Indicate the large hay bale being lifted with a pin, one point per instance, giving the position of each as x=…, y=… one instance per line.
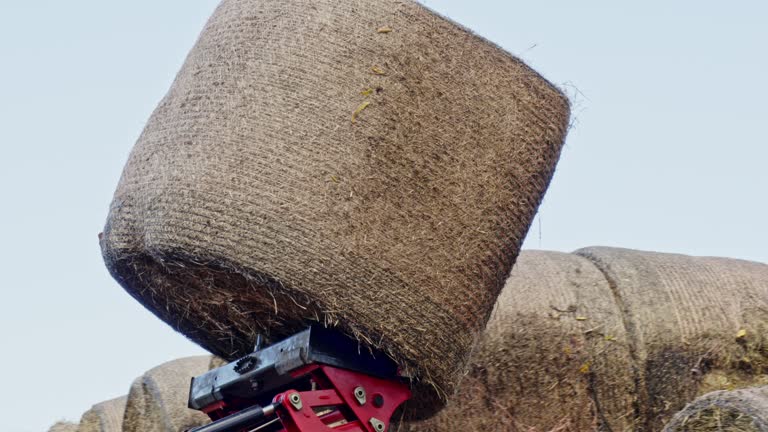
x=368, y=165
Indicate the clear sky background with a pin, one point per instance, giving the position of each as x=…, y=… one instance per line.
x=668, y=153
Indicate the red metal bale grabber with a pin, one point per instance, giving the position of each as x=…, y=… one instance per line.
x=314, y=381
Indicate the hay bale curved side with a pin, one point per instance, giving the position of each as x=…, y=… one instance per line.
x=695, y=324
x=554, y=355
x=307, y=166
x=157, y=401
x=744, y=410
x=106, y=416
x=63, y=426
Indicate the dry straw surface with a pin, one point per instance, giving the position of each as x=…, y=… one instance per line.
x=554, y=355
x=695, y=324
x=103, y=417
x=63, y=426
x=613, y=340
x=157, y=401
x=744, y=410
x=364, y=164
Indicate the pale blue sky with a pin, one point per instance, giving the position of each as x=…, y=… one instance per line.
x=668, y=153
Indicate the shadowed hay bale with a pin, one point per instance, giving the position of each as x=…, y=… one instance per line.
x=743, y=410
x=554, y=348
x=104, y=417
x=63, y=426
x=157, y=401
x=310, y=165
x=695, y=324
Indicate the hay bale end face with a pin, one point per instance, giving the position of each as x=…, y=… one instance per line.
x=306, y=167
x=744, y=410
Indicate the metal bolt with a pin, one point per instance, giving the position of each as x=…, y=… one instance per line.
x=295, y=400
x=360, y=395
x=377, y=424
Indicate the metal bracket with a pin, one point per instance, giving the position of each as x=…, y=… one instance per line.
x=295, y=400
x=377, y=424
x=360, y=395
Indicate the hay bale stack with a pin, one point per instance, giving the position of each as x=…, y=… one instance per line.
x=63, y=426
x=367, y=164
x=104, y=417
x=695, y=324
x=743, y=410
x=157, y=401
x=553, y=357
x=611, y=339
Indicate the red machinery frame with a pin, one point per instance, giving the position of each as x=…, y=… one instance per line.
x=341, y=400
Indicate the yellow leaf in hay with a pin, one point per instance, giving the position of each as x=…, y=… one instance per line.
x=581, y=318
x=334, y=179
x=367, y=92
x=384, y=29
x=359, y=109
x=610, y=338
x=585, y=368
x=741, y=334
x=567, y=350
x=378, y=71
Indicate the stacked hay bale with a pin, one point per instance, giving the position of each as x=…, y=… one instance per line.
x=157, y=401
x=554, y=340
x=612, y=339
x=367, y=165
x=63, y=426
x=743, y=410
x=695, y=324
x=104, y=417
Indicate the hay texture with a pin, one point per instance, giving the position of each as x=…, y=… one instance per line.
x=364, y=164
x=613, y=340
x=104, y=417
x=554, y=356
x=63, y=426
x=743, y=410
x=157, y=401
x=695, y=324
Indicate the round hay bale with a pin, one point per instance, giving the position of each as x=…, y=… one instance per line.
x=611, y=339
x=553, y=357
x=744, y=410
x=104, y=417
x=157, y=401
x=695, y=324
x=63, y=426
x=368, y=165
